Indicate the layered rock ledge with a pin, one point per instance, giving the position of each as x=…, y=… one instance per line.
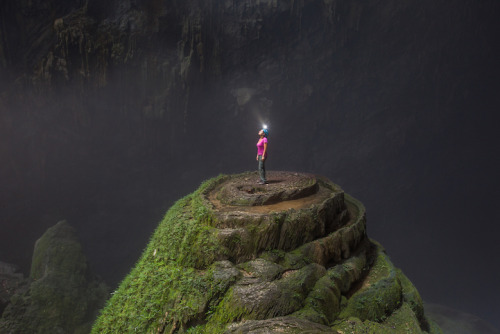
x=291, y=256
x=289, y=212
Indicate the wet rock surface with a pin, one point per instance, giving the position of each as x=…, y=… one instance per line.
x=281, y=186
x=290, y=257
x=290, y=211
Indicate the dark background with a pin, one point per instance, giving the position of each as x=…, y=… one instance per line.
x=111, y=116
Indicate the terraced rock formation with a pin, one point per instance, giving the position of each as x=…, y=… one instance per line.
x=291, y=256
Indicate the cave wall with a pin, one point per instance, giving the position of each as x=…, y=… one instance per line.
x=152, y=72
x=110, y=111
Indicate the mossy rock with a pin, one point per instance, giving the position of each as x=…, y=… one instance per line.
x=215, y=268
x=63, y=295
x=287, y=325
x=385, y=301
x=262, y=268
x=244, y=191
x=259, y=299
x=323, y=304
x=378, y=294
x=402, y=320
x=411, y=296
x=248, y=230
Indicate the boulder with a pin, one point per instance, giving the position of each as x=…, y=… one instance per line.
x=63, y=296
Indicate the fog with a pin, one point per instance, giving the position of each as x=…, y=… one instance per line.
x=402, y=114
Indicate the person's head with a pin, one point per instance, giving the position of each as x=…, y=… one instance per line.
x=263, y=133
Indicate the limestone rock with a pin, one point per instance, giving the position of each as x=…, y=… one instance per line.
x=63, y=295
x=289, y=257
x=11, y=281
x=287, y=325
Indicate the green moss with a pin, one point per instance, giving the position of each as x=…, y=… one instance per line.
x=402, y=321
x=433, y=327
x=322, y=305
x=63, y=292
x=384, y=302
x=275, y=255
x=379, y=293
x=295, y=259
x=253, y=302
x=227, y=311
x=170, y=284
x=182, y=282
x=58, y=248
x=411, y=296
x=261, y=268
x=311, y=314
x=300, y=283
x=324, y=302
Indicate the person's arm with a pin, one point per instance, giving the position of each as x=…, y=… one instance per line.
x=265, y=150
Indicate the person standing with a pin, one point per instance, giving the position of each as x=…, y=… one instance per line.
x=262, y=155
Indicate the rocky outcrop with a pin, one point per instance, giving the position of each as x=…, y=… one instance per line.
x=11, y=281
x=224, y=261
x=63, y=296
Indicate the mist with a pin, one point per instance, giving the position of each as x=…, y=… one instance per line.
x=110, y=117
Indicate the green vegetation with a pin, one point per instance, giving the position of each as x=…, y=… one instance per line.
x=379, y=294
x=185, y=281
x=173, y=282
x=62, y=293
x=384, y=302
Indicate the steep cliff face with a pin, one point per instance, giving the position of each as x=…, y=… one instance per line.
x=155, y=71
x=290, y=257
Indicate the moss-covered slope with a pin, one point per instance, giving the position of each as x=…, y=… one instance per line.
x=303, y=264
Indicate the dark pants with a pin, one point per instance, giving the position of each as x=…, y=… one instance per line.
x=262, y=169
